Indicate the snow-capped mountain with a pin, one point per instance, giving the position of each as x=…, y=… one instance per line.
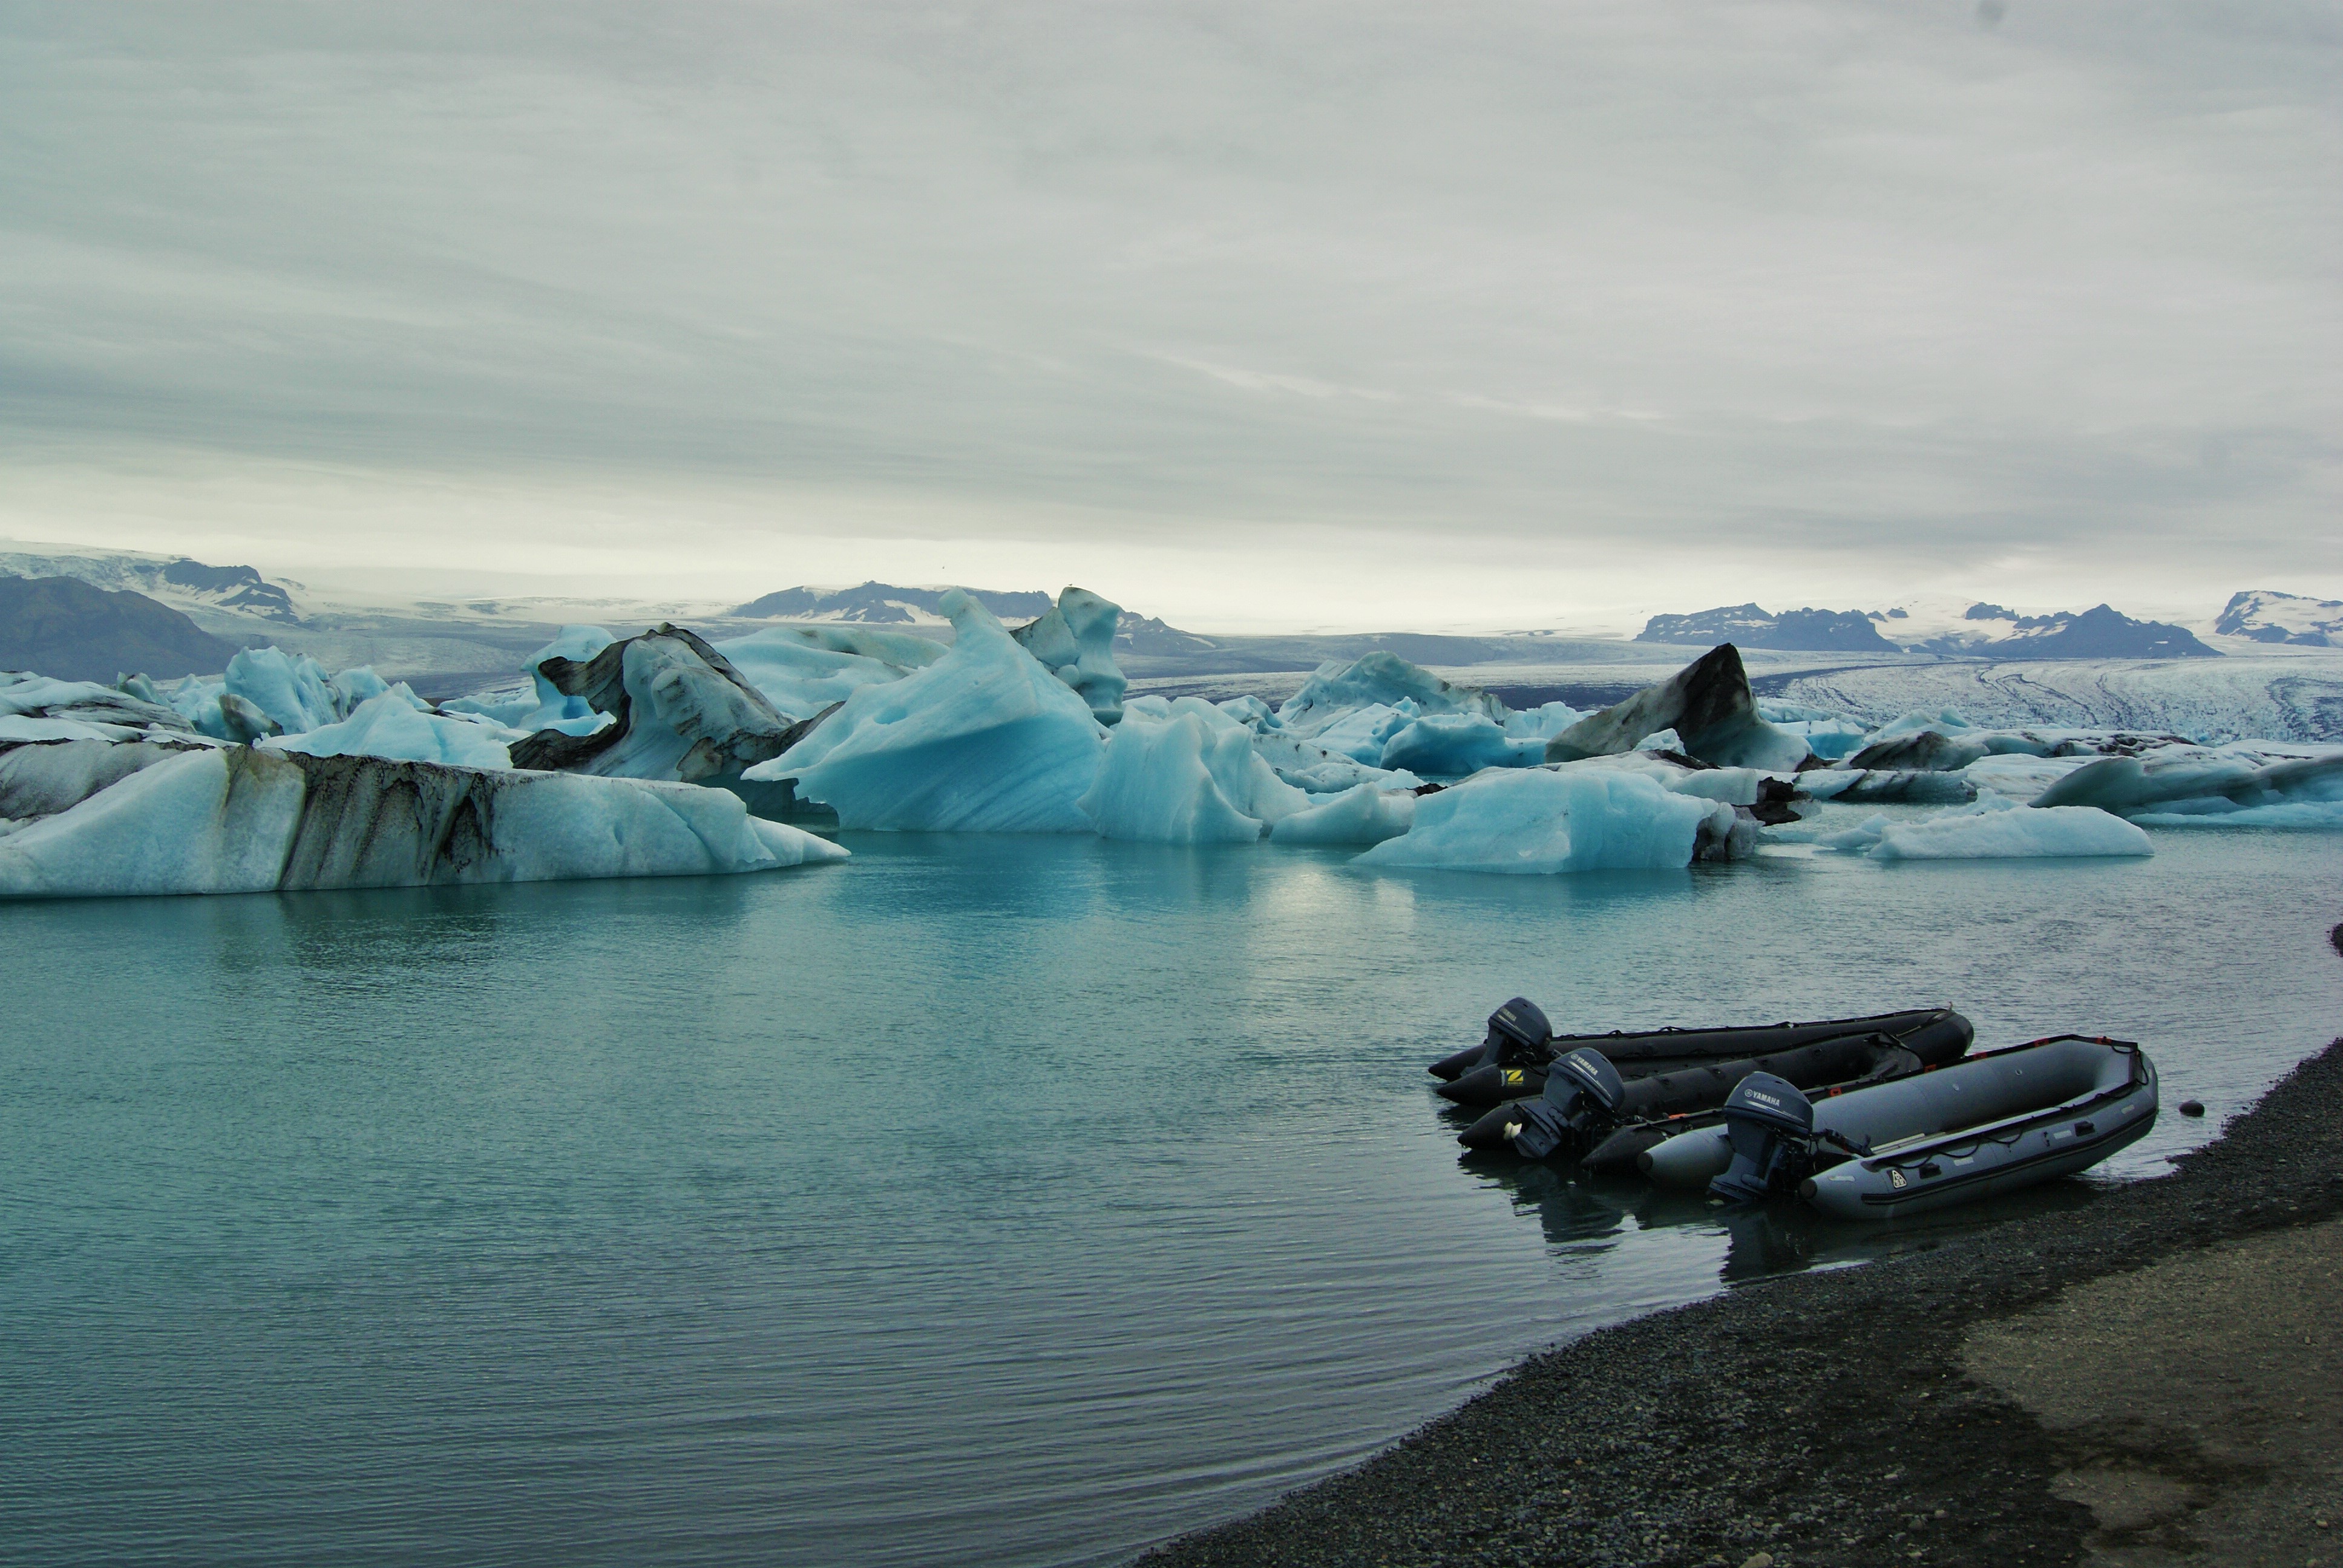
x=177, y=581
x=885, y=604
x=2265, y=616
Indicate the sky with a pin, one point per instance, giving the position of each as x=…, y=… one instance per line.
x=1251, y=316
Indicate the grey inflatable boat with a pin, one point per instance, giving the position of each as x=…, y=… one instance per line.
x=1990, y=1124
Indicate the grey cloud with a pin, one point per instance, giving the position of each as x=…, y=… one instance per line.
x=1845, y=278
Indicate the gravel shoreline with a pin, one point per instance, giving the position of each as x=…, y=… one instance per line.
x=1820, y=1419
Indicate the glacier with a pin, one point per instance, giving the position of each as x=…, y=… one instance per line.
x=242, y=819
x=984, y=739
x=1542, y=820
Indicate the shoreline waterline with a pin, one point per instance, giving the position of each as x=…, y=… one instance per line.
x=1821, y=1418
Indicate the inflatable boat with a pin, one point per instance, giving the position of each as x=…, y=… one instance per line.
x=1511, y=1061
x=1572, y=1112
x=1990, y=1124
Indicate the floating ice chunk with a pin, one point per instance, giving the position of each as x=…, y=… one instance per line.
x=984, y=739
x=388, y=727
x=2327, y=815
x=555, y=709
x=682, y=713
x=1306, y=765
x=1906, y=787
x=1360, y=815
x=1075, y=642
x=1942, y=720
x=1180, y=781
x=1452, y=745
x=81, y=709
x=1542, y=722
x=2174, y=777
x=47, y=777
x=292, y=691
x=2018, y=776
x=1661, y=740
x=2020, y=832
x=235, y=819
x=1707, y=703
x=1362, y=733
x=1252, y=712
x=802, y=669
x=1377, y=679
x=1540, y=819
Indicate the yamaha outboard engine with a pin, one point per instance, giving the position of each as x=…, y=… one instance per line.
x=1518, y=1031
x=1770, y=1126
x=1583, y=1092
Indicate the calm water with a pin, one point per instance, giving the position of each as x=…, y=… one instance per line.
x=982, y=1200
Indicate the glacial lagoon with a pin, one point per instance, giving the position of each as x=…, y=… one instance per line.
x=984, y=1199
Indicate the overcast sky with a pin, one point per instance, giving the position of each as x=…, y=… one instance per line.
x=1479, y=313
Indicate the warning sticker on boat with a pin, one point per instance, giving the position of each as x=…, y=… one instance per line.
x=1894, y=1177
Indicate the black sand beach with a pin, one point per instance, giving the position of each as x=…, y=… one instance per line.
x=2152, y=1377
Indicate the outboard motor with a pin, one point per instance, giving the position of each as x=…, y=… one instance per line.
x=1770, y=1126
x=1518, y=1032
x=1583, y=1092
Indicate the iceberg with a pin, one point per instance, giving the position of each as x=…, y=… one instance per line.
x=1075, y=642
x=1360, y=815
x=1252, y=712
x=44, y=776
x=1377, y=679
x=292, y=691
x=241, y=819
x=678, y=711
x=2196, y=780
x=1707, y=703
x=1542, y=722
x=1307, y=765
x=1190, y=778
x=40, y=707
x=985, y=739
x=1452, y=744
x=802, y=669
x=1545, y=821
x=2020, y=832
x=1905, y=787
x=1362, y=733
x=390, y=727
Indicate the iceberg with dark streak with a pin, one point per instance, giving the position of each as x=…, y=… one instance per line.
x=245, y=820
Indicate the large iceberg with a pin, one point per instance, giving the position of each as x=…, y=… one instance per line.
x=1193, y=778
x=1707, y=703
x=1377, y=679
x=802, y=669
x=2223, y=782
x=1544, y=820
x=2021, y=832
x=1075, y=642
x=985, y=739
x=680, y=711
x=238, y=819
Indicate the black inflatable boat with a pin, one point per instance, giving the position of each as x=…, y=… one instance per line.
x=1512, y=1060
